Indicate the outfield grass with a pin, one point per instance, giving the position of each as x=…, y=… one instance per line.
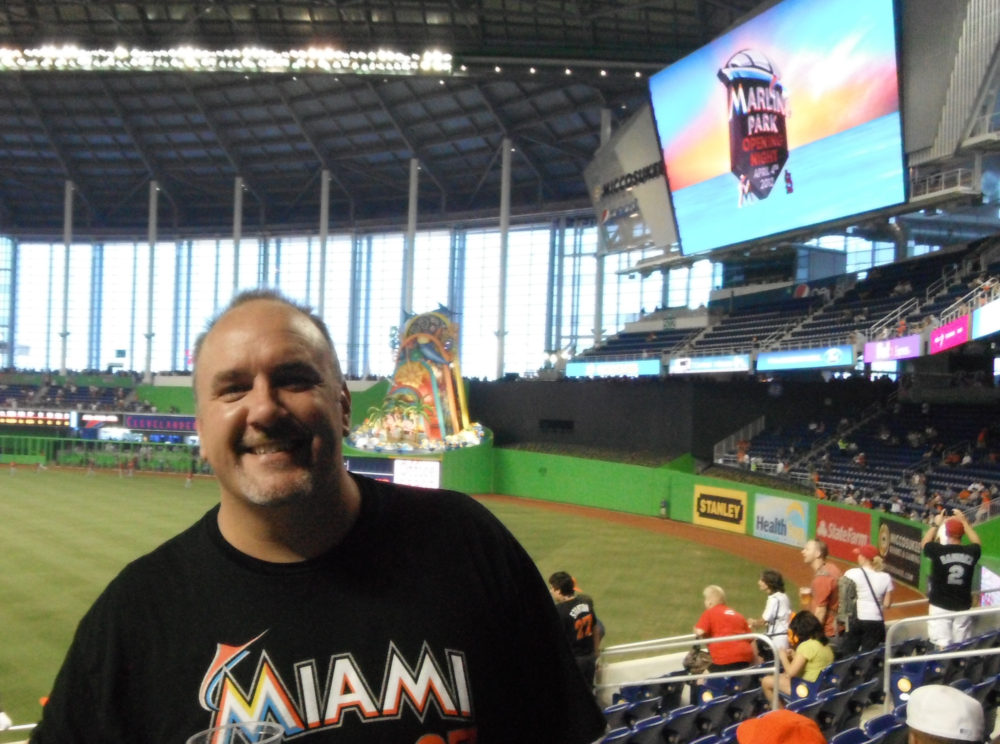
x=64, y=535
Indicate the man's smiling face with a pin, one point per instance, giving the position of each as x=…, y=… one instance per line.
x=272, y=409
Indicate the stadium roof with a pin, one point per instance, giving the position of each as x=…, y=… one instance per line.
x=538, y=73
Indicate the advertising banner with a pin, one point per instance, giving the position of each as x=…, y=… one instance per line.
x=950, y=335
x=159, y=422
x=780, y=520
x=986, y=319
x=830, y=356
x=899, y=546
x=709, y=364
x=843, y=530
x=906, y=347
x=722, y=508
x=625, y=368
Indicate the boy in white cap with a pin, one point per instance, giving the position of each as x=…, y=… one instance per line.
x=939, y=714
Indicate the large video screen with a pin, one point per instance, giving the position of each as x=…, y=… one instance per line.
x=787, y=121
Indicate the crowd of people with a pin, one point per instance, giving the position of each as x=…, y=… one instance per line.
x=841, y=613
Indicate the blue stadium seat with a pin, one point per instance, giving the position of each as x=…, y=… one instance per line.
x=912, y=674
x=617, y=736
x=881, y=723
x=807, y=707
x=644, y=708
x=616, y=715
x=803, y=690
x=747, y=704
x=728, y=734
x=850, y=736
x=648, y=730
x=713, y=716
x=863, y=695
x=668, y=691
x=829, y=716
x=681, y=725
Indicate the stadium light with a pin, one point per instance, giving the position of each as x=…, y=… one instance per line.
x=71, y=58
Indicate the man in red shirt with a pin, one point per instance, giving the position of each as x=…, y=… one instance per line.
x=824, y=585
x=719, y=620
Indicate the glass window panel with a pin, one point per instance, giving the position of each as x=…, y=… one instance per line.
x=678, y=286
x=117, y=306
x=33, y=316
x=701, y=283
x=248, y=264
x=385, y=294
x=337, y=300
x=578, y=278
x=78, y=307
x=480, y=304
x=291, y=257
x=431, y=270
x=527, y=300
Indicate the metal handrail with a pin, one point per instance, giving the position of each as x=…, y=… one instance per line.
x=891, y=631
x=689, y=641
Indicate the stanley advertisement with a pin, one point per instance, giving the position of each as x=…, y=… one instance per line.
x=722, y=508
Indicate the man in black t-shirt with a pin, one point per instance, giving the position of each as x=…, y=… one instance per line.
x=576, y=610
x=340, y=607
x=949, y=584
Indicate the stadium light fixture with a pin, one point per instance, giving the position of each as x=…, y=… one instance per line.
x=71, y=58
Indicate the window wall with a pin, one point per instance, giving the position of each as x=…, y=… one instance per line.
x=126, y=305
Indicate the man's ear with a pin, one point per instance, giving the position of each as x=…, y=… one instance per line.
x=345, y=409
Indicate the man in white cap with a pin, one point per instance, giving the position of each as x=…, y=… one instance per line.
x=939, y=714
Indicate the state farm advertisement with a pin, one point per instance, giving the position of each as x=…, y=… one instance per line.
x=843, y=530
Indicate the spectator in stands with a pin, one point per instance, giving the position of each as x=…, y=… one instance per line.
x=809, y=654
x=823, y=589
x=303, y=564
x=720, y=620
x=576, y=610
x=949, y=584
x=779, y=727
x=874, y=591
x=941, y=714
x=777, y=610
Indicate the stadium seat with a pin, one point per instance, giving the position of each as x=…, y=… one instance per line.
x=644, y=708
x=912, y=674
x=681, y=725
x=869, y=664
x=843, y=672
x=898, y=734
x=881, y=723
x=668, y=691
x=617, y=736
x=863, y=695
x=713, y=716
x=648, y=730
x=728, y=734
x=709, y=739
x=830, y=714
x=803, y=690
x=616, y=716
x=747, y=704
x=854, y=735
x=807, y=707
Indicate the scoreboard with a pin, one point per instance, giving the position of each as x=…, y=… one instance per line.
x=41, y=419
